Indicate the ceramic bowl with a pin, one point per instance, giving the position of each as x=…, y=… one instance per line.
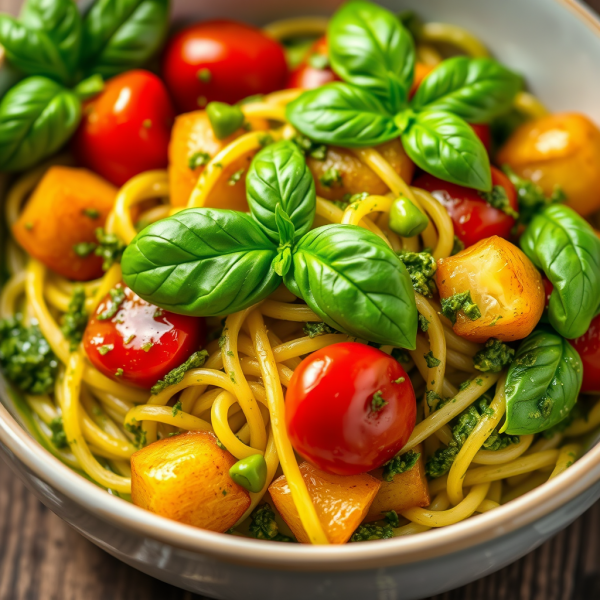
x=556, y=44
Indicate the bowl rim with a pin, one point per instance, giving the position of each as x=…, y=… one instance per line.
x=435, y=543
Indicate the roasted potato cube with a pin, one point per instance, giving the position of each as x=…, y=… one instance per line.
x=341, y=172
x=191, y=137
x=58, y=224
x=406, y=490
x=186, y=478
x=559, y=150
x=341, y=502
x=503, y=283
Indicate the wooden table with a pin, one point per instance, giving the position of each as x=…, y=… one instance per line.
x=42, y=558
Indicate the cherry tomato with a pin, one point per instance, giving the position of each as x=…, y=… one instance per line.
x=482, y=131
x=349, y=408
x=125, y=130
x=588, y=346
x=548, y=289
x=132, y=341
x=473, y=218
x=224, y=61
x=314, y=71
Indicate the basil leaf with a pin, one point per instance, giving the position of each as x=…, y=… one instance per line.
x=444, y=145
x=279, y=176
x=542, y=384
x=475, y=89
x=123, y=34
x=565, y=247
x=45, y=41
x=342, y=114
x=356, y=284
x=369, y=47
x=201, y=262
x=37, y=116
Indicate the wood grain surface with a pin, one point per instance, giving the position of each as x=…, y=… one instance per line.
x=42, y=558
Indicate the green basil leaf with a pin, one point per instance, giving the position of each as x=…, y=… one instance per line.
x=46, y=40
x=565, y=247
x=279, y=176
x=356, y=284
x=123, y=34
x=475, y=89
x=542, y=384
x=286, y=232
x=342, y=114
x=201, y=262
x=369, y=47
x=37, y=116
x=444, y=145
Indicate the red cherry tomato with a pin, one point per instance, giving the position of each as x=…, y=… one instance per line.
x=473, y=218
x=588, y=346
x=143, y=340
x=482, y=131
x=126, y=129
x=331, y=408
x=224, y=61
x=314, y=71
x=548, y=289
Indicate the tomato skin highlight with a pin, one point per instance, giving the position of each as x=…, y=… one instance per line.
x=473, y=218
x=147, y=342
x=222, y=61
x=307, y=77
x=125, y=130
x=483, y=132
x=588, y=347
x=329, y=412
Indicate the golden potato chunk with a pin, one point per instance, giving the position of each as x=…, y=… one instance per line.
x=186, y=478
x=58, y=224
x=191, y=139
x=559, y=150
x=343, y=173
x=341, y=502
x=406, y=490
x=503, y=283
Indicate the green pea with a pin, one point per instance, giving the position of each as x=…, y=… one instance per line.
x=406, y=219
x=224, y=118
x=250, y=473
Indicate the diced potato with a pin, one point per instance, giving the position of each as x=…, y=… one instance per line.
x=192, y=133
x=64, y=210
x=559, y=150
x=341, y=502
x=186, y=478
x=407, y=490
x=355, y=176
x=503, y=283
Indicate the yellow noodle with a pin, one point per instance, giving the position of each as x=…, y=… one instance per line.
x=288, y=312
x=13, y=289
x=454, y=35
x=529, y=105
x=496, y=457
x=443, y=223
x=297, y=27
x=581, y=426
x=566, y=457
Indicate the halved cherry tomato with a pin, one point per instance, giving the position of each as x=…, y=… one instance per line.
x=132, y=341
x=314, y=71
x=588, y=346
x=125, y=130
x=224, y=61
x=483, y=132
x=473, y=218
x=349, y=408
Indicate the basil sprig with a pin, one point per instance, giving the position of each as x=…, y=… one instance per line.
x=542, y=383
x=566, y=248
x=211, y=262
x=374, y=55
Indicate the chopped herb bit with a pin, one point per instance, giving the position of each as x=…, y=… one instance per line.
x=352, y=198
x=400, y=464
x=92, y=213
x=265, y=139
x=400, y=380
x=461, y=301
x=106, y=348
x=457, y=246
x=220, y=444
x=312, y=149
x=264, y=527
x=421, y=267
x=318, y=61
x=204, y=75
x=431, y=360
x=423, y=323
x=147, y=123
x=232, y=376
x=29, y=226
x=84, y=249
x=370, y=531
x=135, y=428
x=235, y=177
x=117, y=296
x=222, y=341
x=313, y=330
x=224, y=492
x=434, y=400
x=158, y=313
x=479, y=381
x=230, y=353
x=129, y=338
x=495, y=320
x=59, y=438
x=110, y=248
x=493, y=357
x=217, y=165
x=331, y=177
x=377, y=402
x=391, y=518
x=119, y=372
x=176, y=408
x=402, y=356
x=464, y=385
x=75, y=319
x=146, y=347
x=499, y=200
x=198, y=159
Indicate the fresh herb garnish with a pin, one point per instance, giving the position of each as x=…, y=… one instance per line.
x=493, y=357
x=421, y=267
x=75, y=319
x=198, y=159
x=400, y=464
x=460, y=302
x=431, y=360
x=117, y=296
x=378, y=402
x=176, y=375
x=264, y=527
